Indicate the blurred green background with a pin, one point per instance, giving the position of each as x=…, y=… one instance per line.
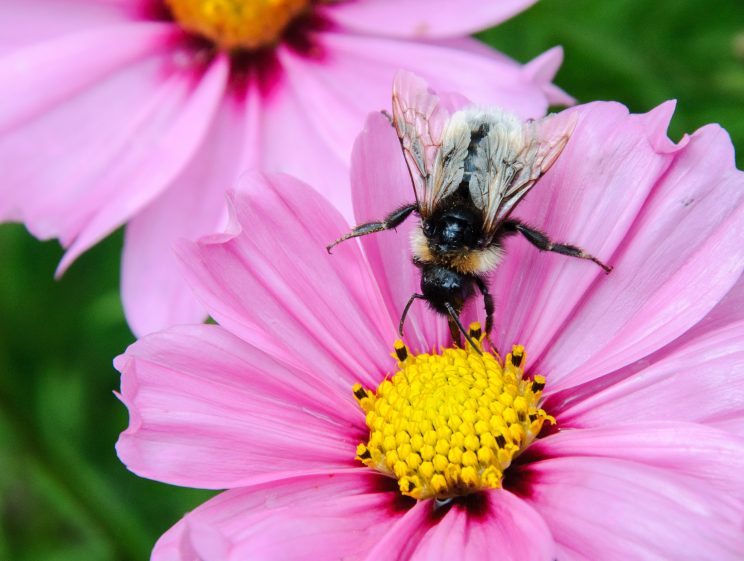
x=63, y=493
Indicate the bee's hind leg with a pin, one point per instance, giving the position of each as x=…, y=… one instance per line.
x=456, y=328
x=488, y=305
x=542, y=242
x=392, y=220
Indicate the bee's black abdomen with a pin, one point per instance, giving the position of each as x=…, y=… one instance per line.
x=441, y=285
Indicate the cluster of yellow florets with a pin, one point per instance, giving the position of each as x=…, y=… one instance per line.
x=449, y=424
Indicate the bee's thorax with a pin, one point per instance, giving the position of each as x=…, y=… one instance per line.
x=466, y=260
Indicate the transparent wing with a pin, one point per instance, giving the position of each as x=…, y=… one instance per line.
x=419, y=118
x=513, y=170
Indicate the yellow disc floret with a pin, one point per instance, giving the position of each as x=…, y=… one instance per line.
x=237, y=24
x=449, y=424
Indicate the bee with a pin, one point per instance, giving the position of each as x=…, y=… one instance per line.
x=469, y=172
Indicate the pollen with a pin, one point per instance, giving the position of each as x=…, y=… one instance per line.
x=237, y=24
x=449, y=424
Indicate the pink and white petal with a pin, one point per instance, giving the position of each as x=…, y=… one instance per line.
x=154, y=293
x=41, y=76
x=161, y=151
x=422, y=18
x=668, y=385
x=665, y=280
x=321, y=311
x=378, y=167
x=589, y=198
x=332, y=516
x=614, y=510
x=712, y=456
x=499, y=527
x=211, y=411
x=23, y=22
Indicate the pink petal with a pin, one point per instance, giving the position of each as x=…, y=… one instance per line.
x=334, y=516
x=209, y=410
x=154, y=292
x=712, y=456
x=730, y=309
x=23, y=22
x=83, y=183
x=60, y=173
x=402, y=536
x=321, y=311
x=668, y=386
x=502, y=528
x=377, y=166
x=423, y=18
x=360, y=70
x=40, y=76
x=542, y=69
x=615, y=510
x=585, y=199
x=683, y=253
x=303, y=130
x=144, y=172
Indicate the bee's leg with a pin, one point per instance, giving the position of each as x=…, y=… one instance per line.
x=405, y=310
x=456, y=328
x=454, y=331
x=387, y=115
x=488, y=305
x=541, y=241
x=392, y=220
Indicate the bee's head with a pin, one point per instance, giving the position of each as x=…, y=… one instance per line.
x=453, y=230
x=441, y=285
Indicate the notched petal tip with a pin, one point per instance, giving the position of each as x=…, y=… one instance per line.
x=542, y=70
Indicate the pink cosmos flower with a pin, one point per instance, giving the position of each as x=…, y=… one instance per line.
x=644, y=368
x=144, y=111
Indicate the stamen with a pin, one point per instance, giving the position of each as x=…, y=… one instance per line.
x=237, y=24
x=449, y=424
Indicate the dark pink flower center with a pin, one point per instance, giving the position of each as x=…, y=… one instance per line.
x=290, y=23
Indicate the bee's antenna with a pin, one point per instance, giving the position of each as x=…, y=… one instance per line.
x=405, y=311
x=456, y=319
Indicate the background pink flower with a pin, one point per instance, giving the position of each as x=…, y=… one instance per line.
x=644, y=367
x=111, y=113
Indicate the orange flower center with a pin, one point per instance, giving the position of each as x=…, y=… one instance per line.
x=238, y=24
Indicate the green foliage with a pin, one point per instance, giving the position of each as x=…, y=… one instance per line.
x=63, y=493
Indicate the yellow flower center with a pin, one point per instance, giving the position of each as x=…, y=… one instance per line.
x=449, y=424
x=237, y=24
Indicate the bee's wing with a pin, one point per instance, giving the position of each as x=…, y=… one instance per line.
x=419, y=117
x=510, y=178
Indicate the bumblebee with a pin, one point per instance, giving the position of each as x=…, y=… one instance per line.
x=469, y=172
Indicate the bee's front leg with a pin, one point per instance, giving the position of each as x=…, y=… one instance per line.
x=392, y=220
